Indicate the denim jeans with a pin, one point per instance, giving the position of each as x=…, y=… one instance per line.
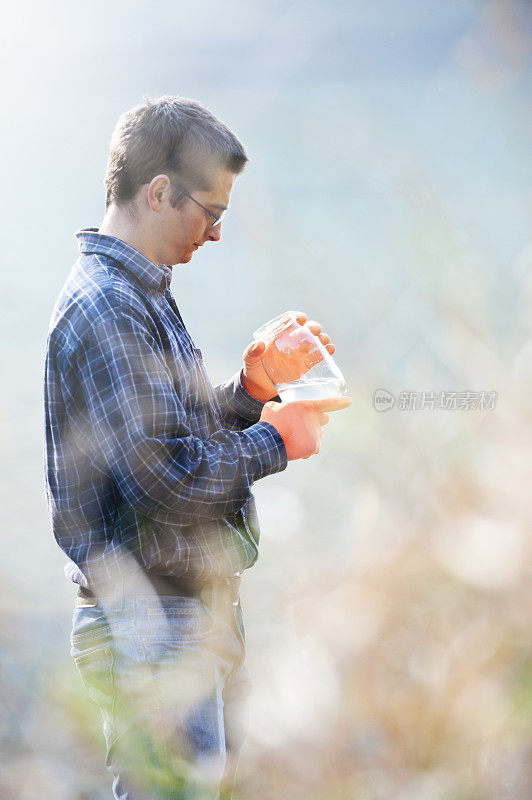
x=168, y=675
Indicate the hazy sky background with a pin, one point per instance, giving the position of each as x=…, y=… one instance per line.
x=389, y=195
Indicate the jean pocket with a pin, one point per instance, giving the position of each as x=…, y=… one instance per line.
x=95, y=662
x=186, y=607
x=94, y=624
x=88, y=622
x=90, y=642
x=174, y=622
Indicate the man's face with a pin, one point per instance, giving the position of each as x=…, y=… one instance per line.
x=184, y=229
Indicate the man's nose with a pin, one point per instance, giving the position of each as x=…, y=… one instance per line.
x=215, y=233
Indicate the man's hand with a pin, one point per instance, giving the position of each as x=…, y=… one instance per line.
x=254, y=377
x=300, y=423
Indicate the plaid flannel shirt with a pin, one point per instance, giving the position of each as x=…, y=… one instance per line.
x=145, y=459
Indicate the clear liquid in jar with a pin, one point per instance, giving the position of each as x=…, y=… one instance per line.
x=310, y=389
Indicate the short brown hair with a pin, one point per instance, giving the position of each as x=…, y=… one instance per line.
x=175, y=136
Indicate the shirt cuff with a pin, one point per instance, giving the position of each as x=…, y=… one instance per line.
x=268, y=448
x=241, y=403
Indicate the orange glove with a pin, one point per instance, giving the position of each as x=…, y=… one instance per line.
x=300, y=423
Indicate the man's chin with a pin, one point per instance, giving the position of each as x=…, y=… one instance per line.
x=184, y=258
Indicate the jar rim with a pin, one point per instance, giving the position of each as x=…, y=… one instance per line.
x=275, y=325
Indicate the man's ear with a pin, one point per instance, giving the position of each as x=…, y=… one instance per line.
x=159, y=191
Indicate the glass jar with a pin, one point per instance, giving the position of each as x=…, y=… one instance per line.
x=297, y=362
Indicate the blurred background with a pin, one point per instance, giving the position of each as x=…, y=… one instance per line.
x=389, y=196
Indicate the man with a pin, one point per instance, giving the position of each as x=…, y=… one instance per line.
x=150, y=468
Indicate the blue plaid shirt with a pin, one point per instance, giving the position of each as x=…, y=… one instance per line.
x=145, y=459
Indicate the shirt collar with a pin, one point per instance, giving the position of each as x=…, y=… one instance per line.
x=151, y=276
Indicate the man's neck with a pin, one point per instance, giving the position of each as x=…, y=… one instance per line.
x=124, y=226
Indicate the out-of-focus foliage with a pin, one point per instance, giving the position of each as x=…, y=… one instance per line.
x=388, y=619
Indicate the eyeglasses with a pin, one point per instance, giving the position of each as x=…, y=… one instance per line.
x=216, y=217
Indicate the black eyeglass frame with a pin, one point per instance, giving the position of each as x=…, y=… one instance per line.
x=216, y=217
